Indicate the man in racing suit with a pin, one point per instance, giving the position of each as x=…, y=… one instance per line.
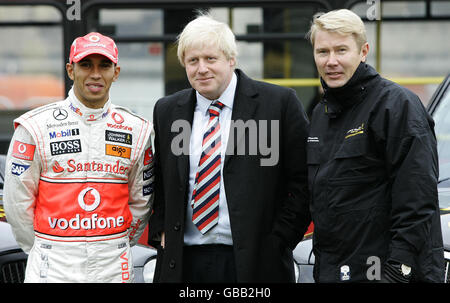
x=79, y=176
x=372, y=167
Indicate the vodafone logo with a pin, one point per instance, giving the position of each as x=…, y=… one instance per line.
x=94, y=38
x=23, y=151
x=91, y=196
x=117, y=118
x=89, y=200
x=22, y=148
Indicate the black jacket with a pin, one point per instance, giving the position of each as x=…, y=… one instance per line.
x=373, y=171
x=267, y=205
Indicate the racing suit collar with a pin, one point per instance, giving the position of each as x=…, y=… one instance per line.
x=89, y=115
x=337, y=99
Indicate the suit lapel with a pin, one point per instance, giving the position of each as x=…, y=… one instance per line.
x=244, y=107
x=185, y=112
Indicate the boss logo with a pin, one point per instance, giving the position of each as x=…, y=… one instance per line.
x=65, y=147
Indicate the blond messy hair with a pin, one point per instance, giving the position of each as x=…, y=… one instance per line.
x=204, y=31
x=342, y=21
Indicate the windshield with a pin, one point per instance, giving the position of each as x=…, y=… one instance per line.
x=441, y=118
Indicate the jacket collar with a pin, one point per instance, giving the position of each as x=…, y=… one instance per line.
x=354, y=91
x=227, y=97
x=89, y=115
x=244, y=98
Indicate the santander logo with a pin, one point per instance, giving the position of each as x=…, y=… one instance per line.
x=57, y=168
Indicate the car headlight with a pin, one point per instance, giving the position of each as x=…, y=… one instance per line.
x=149, y=270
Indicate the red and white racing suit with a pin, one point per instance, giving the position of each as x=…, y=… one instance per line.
x=78, y=190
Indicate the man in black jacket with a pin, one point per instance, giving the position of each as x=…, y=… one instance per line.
x=372, y=165
x=258, y=208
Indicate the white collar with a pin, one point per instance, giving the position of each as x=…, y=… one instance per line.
x=85, y=113
x=227, y=97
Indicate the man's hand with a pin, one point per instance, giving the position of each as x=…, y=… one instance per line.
x=395, y=272
x=163, y=242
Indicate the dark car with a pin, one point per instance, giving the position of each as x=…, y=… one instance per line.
x=13, y=260
x=439, y=108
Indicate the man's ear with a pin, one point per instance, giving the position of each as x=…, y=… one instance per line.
x=116, y=72
x=233, y=62
x=69, y=69
x=364, y=51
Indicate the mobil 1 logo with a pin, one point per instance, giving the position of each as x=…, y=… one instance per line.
x=64, y=133
x=65, y=147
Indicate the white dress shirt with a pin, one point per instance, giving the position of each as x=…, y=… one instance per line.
x=221, y=233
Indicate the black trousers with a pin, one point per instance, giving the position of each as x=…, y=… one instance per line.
x=209, y=264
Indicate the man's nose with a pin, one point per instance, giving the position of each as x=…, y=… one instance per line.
x=332, y=59
x=95, y=72
x=202, y=66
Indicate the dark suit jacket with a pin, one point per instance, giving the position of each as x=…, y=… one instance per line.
x=268, y=205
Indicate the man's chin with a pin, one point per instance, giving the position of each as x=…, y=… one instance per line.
x=335, y=83
x=210, y=95
x=95, y=101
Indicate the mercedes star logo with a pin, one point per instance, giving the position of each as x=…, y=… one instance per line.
x=60, y=114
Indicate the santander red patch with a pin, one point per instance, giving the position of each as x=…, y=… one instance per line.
x=23, y=151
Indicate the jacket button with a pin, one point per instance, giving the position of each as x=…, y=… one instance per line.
x=177, y=226
x=172, y=264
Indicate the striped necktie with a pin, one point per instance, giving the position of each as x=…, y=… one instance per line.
x=205, y=197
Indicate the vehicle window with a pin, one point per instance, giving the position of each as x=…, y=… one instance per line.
x=441, y=118
x=440, y=8
x=31, y=73
x=32, y=62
